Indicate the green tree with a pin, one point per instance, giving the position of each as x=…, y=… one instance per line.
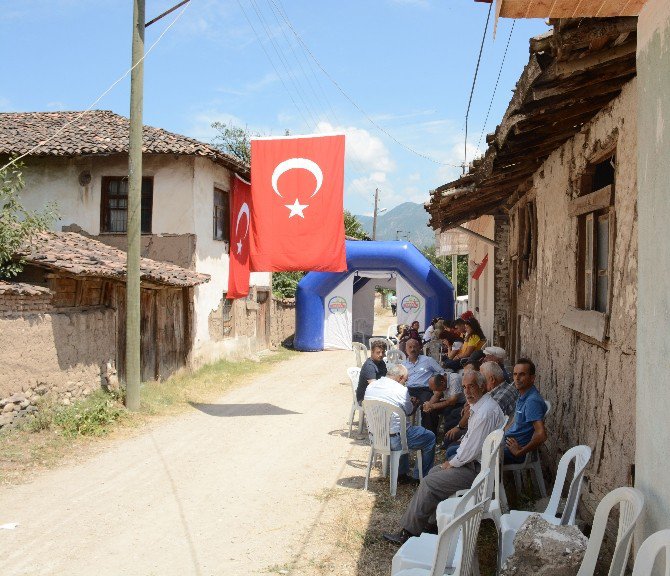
x=443, y=264
x=233, y=140
x=353, y=228
x=17, y=225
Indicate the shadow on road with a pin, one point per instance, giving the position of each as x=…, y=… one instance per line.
x=232, y=410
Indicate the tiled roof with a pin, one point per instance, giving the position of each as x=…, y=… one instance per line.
x=83, y=256
x=95, y=132
x=22, y=289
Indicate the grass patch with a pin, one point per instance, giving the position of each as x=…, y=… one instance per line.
x=56, y=431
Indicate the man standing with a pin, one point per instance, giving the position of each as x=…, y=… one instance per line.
x=527, y=431
x=390, y=389
x=373, y=368
x=419, y=369
x=459, y=472
x=393, y=300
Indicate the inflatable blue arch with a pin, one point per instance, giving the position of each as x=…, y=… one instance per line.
x=333, y=306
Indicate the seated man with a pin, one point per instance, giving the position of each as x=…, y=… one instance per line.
x=373, y=368
x=390, y=389
x=420, y=368
x=459, y=472
x=527, y=432
x=498, y=355
x=448, y=398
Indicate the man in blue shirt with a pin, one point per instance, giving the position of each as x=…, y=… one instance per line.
x=527, y=432
x=420, y=369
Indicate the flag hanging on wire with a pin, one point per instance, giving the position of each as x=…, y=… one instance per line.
x=240, y=234
x=297, y=186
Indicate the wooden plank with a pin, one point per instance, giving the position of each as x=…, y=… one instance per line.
x=590, y=202
x=560, y=70
x=588, y=322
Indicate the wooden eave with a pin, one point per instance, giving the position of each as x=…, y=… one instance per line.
x=567, y=8
x=573, y=73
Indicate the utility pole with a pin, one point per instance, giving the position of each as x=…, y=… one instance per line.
x=374, y=217
x=134, y=224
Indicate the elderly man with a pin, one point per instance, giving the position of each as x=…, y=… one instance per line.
x=420, y=369
x=373, y=368
x=527, y=431
x=504, y=393
x=497, y=354
x=448, y=398
x=459, y=472
x=390, y=389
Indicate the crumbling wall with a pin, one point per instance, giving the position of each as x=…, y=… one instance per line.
x=501, y=272
x=64, y=353
x=590, y=384
x=283, y=320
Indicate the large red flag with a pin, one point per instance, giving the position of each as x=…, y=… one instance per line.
x=240, y=233
x=297, y=187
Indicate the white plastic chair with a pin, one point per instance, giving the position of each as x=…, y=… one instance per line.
x=395, y=356
x=392, y=332
x=378, y=415
x=453, y=551
x=353, y=374
x=510, y=523
x=433, y=349
x=631, y=503
x=532, y=463
x=360, y=353
x=449, y=508
x=657, y=544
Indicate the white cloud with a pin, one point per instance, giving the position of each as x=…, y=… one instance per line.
x=365, y=151
x=201, y=123
x=5, y=105
x=414, y=177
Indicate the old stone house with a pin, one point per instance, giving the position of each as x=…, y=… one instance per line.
x=556, y=193
x=62, y=325
x=80, y=162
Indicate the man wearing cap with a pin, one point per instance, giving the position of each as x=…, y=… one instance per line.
x=420, y=369
x=458, y=472
x=498, y=355
x=390, y=389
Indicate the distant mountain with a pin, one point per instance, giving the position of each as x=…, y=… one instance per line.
x=408, y=221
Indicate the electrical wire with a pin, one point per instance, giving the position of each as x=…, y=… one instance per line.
x=495, y=88
x=472, y=89
x=353, y=103
x=78, y=116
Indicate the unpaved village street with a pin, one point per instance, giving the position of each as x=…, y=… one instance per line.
x=231, y=488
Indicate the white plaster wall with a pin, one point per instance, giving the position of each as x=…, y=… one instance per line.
x=212, y=256
x=653, y=359
x=57, y=180
x=480, y=292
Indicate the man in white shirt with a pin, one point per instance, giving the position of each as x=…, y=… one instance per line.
x=459, y=472
x=390, y=389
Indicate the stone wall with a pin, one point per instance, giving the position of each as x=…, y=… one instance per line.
x=67, y=354
x=283, y=320
x=590, y=384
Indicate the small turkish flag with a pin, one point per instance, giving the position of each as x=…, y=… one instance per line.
x=240, y=228
x=297, y=186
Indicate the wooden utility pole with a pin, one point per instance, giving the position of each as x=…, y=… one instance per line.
x=374, y=216
x=133, y=375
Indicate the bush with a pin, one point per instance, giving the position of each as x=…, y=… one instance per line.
x=89, y=417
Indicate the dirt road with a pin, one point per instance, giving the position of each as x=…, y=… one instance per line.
x=228, y=489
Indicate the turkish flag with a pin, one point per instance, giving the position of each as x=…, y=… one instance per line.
x=297, y=188
x=240, y=233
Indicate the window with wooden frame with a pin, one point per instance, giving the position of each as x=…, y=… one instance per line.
x=594, y=210
x=114, y=205
x=221, y=214
x=527, y=240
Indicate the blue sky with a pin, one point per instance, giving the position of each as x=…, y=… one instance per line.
x=406, y=64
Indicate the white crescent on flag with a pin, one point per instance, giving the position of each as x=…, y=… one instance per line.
x=244, y=209
x=293, y=163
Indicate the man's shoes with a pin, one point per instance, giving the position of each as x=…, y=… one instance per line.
x=398, y=538
x=407, y=479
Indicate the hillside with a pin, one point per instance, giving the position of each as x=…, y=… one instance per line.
x=409, y=218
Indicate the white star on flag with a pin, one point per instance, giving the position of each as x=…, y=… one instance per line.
x=296, y=209
x=239, y=247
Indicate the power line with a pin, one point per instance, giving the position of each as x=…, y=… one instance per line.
x=472, y=90
x=78, y=116
x=495, y=88
x=351, y=100
x=164, y=14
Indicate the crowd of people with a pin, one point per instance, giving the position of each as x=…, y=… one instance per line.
x=467, y=395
